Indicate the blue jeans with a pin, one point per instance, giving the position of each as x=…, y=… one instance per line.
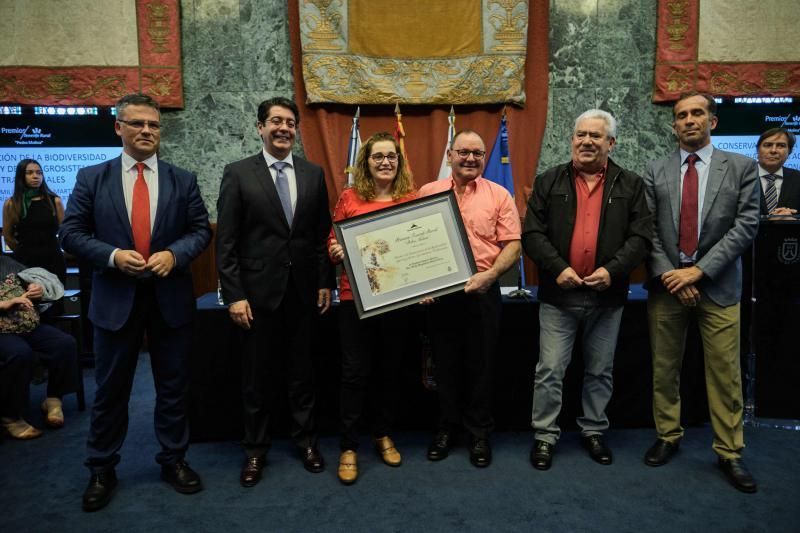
x=558, y=327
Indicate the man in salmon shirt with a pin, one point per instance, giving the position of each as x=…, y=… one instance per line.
x=466, y=324
x=587, y=228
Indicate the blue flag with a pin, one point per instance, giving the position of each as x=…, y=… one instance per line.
x=498, y=166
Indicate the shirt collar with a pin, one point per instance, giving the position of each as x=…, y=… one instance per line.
x=128, y=162
x=270, y=159
x=762, y=172
x=703, y=153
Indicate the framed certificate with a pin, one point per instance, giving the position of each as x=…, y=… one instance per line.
x=397, y=256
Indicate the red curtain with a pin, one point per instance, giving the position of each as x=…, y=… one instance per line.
x=325, y=128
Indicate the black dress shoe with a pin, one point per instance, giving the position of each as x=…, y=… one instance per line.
x=251, y=471
x=738, y=474
x=661, y=452
x=312, y=459
x=480, y=453
x=182, y=478
x=440, y=446
x=99, y=491
x=597, y=448
x=542, y=455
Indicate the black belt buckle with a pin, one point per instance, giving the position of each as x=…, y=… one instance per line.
x=686, y=264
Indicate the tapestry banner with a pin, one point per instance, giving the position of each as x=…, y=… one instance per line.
x=414, y=52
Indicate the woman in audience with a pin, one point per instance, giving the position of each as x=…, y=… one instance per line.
x=31, y=218
x=371, y=348
x=22, y=339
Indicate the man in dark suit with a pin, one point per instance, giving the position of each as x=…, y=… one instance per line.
x=706, y=206
x=140, y=222
x=273, y=219
x=780, y=186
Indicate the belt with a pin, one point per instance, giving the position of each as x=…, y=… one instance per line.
x=686, y=264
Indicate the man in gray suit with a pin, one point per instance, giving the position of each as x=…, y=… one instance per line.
x=706, y=204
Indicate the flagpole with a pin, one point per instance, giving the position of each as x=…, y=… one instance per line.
x=521, y=291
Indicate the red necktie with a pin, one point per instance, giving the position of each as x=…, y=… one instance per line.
x=688, y=220
x=140, y=214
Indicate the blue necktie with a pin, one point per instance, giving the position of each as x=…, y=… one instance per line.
x=771, y=194
x=282, y=184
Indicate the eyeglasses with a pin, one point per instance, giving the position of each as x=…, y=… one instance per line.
x=378, y=158
x=464, y=154
x=140, y=124
x=277, y=121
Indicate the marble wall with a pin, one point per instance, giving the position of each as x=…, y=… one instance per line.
x=236, y=53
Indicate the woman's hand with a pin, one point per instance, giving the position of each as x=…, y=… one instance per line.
x=336, y=251
x=34, y=292
x=7, y=305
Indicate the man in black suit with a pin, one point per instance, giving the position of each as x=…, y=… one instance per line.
x=780, y=186
x=139, y=221
x=273, y=219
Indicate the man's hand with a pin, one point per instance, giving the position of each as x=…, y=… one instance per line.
x=675, y=280
x=599, y=280
x=160, y=263
x=323, y=300
x=783, y=211
x=34, y=292
x=241, y=313
x=480, y=282
x=336, y=251
x=689, y=296
x=130, y=262
x=569, y=279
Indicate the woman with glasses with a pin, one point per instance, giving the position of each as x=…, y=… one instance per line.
x=31, y=218
x=371, y=348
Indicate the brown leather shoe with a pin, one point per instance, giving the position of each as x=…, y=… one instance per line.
x=387, y=451
x=251, y=471
x=312, y=459
x=348, y=467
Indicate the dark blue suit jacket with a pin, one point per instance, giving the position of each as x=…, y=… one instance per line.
x=96, y=222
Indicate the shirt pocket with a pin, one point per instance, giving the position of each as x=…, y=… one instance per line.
x=485, y=224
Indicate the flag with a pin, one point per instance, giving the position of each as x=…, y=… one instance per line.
x=498, y=166
x=444, y=169
x=353, y=147
x=498, y=170
x=400, y=134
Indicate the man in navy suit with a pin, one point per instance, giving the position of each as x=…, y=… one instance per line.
x=140, y=222
x=780, y=185
x=273, y=220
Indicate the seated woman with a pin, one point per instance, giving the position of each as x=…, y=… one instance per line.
x=371, y=348
x=22, y=336
x=31, y=218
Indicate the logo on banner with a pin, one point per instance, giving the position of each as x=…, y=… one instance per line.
x=27, y=136
x=789, y=251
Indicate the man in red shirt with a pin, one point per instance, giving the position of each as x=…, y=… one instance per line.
x=587, y=227
x=465, y=324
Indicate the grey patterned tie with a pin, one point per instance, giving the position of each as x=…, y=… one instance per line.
x=282, y=184
x=771, y=194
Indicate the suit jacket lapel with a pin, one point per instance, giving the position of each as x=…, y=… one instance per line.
x=166, y=186
x=716, y=174
x=673, y=179
x=117, y=196
x=264, y=177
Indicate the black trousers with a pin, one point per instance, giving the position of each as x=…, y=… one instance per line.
x=372, y=350
x=116, y=356
x=464, y=330
x=277, y=348
x=56, y=349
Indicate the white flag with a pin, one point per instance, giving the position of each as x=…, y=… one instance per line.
x=444, y=170
x=353, y=147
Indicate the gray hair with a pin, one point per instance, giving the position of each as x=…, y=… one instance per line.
x=605, y=116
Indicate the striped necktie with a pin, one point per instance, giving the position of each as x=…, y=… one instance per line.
x=771, y=194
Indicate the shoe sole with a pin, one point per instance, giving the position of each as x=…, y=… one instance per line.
x=437, y=457
x=249, y=484
x=315, y=470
